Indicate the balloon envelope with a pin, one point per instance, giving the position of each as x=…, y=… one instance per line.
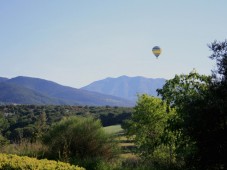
x=157, y=51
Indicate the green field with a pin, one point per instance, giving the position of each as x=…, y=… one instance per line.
x=114, y=129
x=126, y=144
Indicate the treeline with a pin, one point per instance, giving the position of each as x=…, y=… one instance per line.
x=30, y=121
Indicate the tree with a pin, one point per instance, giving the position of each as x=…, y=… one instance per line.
x=219, y=50
x=218, y=91
x=79, y=139
x=186, y=93
x=201, y=105
x=147, y=128
x=40, y=126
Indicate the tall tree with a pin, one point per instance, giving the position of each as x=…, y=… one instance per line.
x=147, y=128
x=186, y=93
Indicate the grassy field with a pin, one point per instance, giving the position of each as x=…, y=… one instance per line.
x=115, y=129
x=126, y=144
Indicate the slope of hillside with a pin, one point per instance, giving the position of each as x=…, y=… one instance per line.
x=12, y=93
x=67, y=95
x=2, y=79
x=126, y=87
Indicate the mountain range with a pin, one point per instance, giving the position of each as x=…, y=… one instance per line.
x=111, y=91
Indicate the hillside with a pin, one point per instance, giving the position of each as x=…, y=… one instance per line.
x=2, y=79
x=126, y=87
x=12, y=93
x=26, y=90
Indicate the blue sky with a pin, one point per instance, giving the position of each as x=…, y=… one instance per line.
x=76, y=42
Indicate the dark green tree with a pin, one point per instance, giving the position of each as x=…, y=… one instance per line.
x=187, y=94
x=218, y=106
x=201, y=105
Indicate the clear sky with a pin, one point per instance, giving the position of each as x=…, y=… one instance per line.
x=76, y=42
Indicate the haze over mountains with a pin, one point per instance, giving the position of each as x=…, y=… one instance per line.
x=111, y=91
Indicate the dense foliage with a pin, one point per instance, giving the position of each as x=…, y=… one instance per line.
x=31, y=121
x=200, y=102
x=14, y=162
x=147, y=127
x=77, y=139
x=186, y=94
x=22, y=128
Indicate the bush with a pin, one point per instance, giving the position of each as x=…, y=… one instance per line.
x=79, y=140
x=14, y=162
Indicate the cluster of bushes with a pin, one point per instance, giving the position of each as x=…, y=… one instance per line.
x=77, y=140
x=14, y=162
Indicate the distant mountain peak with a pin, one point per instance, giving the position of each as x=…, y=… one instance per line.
x=124, y=76
x=127, y=87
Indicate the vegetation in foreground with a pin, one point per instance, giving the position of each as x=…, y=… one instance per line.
x=14, y=162
x=80, y=140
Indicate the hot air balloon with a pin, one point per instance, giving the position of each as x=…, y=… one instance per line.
x=157, y=51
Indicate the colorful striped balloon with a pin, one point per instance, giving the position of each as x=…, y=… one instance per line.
x=157, y=51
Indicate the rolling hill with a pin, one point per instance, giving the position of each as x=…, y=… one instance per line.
x=15, y=94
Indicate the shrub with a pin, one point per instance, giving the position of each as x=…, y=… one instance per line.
x=14, y=162
x=79, y=140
